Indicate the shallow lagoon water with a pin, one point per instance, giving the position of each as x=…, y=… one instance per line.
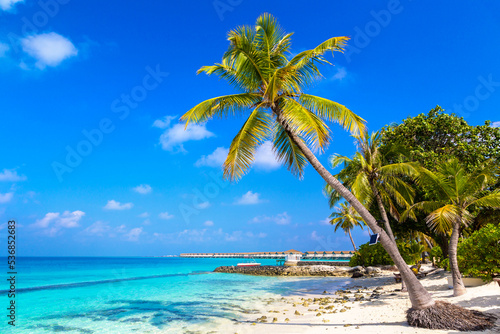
x=139, y=295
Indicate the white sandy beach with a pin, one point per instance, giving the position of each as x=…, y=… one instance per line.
x=385, y=314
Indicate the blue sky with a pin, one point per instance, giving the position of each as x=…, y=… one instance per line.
x=109, y=80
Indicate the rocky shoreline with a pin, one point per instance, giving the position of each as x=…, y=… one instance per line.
x=315, y=270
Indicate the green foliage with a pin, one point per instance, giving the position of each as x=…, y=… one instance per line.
x=376, y=255
x=436, y=137
x=370, y=256
x=479, y=255
x=437, y=253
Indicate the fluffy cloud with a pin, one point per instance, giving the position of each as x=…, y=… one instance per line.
x=203, y=205
x=4, y=48
x=48, y=49
x=234, y=236
x=264, y=158
x=114, y=205
x=10, y=175
x=8, y=4
x=143, y=189
x=280, y=219
x=4, y=198
x=325, y=221
x=164, y=122
x=165, y=215
x=174, y=136
x=496, y=124
x=249, y=198
x=53, y=222
x=144, y=215
x=215, y=159
x=341, y=74
x=134, y=234
x=102, y=229
x=208, y=223
x=98, y=229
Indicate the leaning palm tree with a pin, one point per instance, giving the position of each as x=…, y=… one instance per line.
x=370, y=178
x=271, y=85
x=453, y=192
x=346, y=218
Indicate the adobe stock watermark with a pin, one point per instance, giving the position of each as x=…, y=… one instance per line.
x=483, y=91
x=223, y=6
x=34, y=24
x=199, y=196
x=363, y=36
x=121, y=108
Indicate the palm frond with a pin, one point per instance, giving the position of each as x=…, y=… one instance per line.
x=288, y=152
x=306, y=123
x=242, y=149
x=441, y=220
x=333, y=112
x=221, y=106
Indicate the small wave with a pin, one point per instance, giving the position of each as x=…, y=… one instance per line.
x=107, y=281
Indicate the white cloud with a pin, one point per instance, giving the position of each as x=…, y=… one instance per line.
x=164, y=122
x=259, y=235
x=203, y=205
x=315, y=236
x=48, y=49
x=264, y=157
x=249, y=198
x=341, y=74
x=144, y=215
x=280, y=219
x=234, y=236
x=165, y=215
x=98, y=229
x=173, y=138
x=53, y=222
x=114, y=205
x=208, y=223
x=4, y=198
x=4, y=48
x=325, y=221
x=193, y=235
x=8, y=4
x=496, y=124
x=215, y=159
x=143, y=189
x=133, y=234
x=10, y=175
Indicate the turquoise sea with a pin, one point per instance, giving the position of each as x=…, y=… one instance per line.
x=138, y=295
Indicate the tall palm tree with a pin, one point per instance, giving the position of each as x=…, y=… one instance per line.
x=272, y=85
x=346, y=218
x=370, y=178
x=453, y=192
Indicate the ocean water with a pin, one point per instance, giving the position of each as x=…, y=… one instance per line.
x=139, y=295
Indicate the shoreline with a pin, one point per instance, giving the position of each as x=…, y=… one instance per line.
x=364, y=305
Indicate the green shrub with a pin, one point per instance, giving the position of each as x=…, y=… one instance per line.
x=376, y=255
x=479, y=255
x=437, y=253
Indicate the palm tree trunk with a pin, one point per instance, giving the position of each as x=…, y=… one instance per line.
x=458, y=285
x=352, y=241
x=419, y=297
x=383, y=213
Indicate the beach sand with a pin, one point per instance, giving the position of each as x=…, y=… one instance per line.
x=384, y=313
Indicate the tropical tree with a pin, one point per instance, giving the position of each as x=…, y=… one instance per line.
x=370, y=178
x=272, y=85
x=453, y=194
x=346, y=218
